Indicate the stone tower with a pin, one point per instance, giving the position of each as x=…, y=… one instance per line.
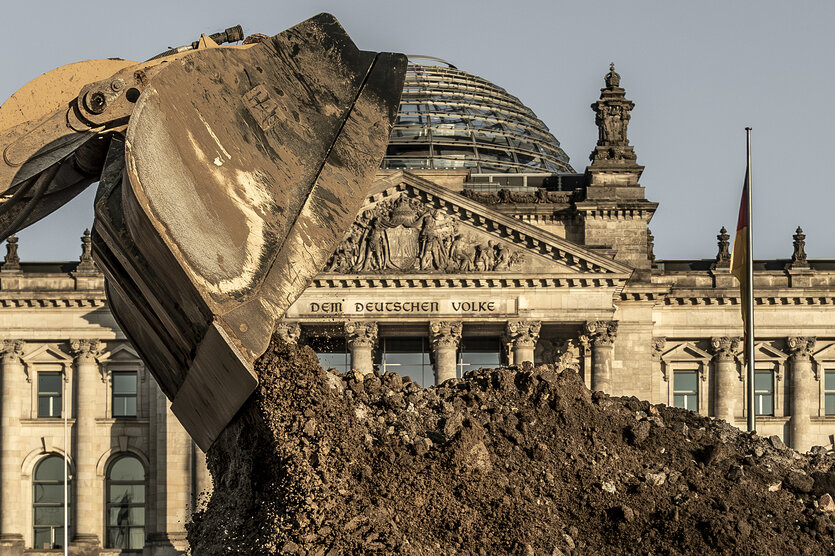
x=615, y=211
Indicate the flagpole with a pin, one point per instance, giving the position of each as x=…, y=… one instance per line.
x=749, y=329
x=64, y=407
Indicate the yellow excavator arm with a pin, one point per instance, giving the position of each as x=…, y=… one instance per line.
x=227, y=176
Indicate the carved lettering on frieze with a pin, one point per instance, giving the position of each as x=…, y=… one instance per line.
x=403, y=235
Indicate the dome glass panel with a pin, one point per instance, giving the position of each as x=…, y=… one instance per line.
x=450, y=119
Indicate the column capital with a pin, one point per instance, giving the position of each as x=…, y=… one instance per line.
x=602, y=332
x=289, y=332
x=445, y=333
x=658, y=343
x=725, y=348
x=801, y=347
x=524, y=333
x=11, y=350
x=87, y=350
x=361, y=333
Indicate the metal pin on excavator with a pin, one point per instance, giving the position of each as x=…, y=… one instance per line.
x=227, y=175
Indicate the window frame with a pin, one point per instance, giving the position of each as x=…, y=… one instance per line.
x=114, y=395
x=828, y=370
x=427, y=359
x=109, y=505
x=695, y=393
x=462, y=345
x=757, y=393
x=60, y=394
x=60, y=505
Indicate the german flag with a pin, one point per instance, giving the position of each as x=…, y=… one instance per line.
x=740, y=256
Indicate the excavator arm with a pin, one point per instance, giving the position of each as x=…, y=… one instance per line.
x=227, y=175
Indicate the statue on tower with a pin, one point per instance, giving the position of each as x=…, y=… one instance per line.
x=612, y=114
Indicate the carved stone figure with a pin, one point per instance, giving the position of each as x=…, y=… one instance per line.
x=12, y=260
x=403, y=235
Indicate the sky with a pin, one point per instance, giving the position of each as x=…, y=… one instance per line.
x=698, y=72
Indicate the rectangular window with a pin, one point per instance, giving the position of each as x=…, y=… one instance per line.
x=124, y=393
x=49, y=394
x=763, y=392
x=829, y=391
x=332, y=352
x=686, y=390
x=479, y=353
x=407, y=357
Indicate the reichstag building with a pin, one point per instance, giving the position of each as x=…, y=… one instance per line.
x=479, y=245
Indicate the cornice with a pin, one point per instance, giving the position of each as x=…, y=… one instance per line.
x=331, y=281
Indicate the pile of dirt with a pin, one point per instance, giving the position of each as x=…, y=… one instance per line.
x=521, y=461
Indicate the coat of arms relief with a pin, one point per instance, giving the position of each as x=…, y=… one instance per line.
x=403, y=234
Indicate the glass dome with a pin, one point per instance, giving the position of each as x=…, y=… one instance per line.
x=450, y=119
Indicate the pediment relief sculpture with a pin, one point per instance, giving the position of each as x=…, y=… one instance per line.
x=403, y=234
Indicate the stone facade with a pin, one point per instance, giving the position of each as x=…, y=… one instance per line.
x=442, y=271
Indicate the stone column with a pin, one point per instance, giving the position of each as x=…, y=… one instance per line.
x=173, y=485
x=725, y=387
x=361, y=336
x=13, y=391
x=802, y=394
x=523, y=335
x=602, y=337
x=445, y=337
x=202, y=478
x=289, y=332
x=86, y=487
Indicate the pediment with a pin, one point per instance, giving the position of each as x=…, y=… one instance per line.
x=764, y=351
x=121, y=353
x=47, y=353
x=413, y=226
x=686, y=351
x=825, y=353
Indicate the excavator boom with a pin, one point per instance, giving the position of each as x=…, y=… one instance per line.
x=227, y=177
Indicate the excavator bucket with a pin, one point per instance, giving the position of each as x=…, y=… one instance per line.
x=240, y=172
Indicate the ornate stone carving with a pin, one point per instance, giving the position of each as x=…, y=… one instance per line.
x=361, y=333
x=602, y=332
x=651, y=248
x=404, y=235
x=11, y=263
x=801, y=347
x=723, y=255
x=445, y=333
x=799, y=253
x=658, y=343
x=505, y=196
x=11, y=350
x=725, y=348
x=612, y=113
x=86, y=264
x=524, y=333
x=567, y=356
x=289, y=332
x=86, y=351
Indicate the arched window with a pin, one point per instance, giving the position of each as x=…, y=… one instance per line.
x=48, y=503
x=126, y=504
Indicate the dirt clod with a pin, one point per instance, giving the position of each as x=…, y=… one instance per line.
x=506, y=461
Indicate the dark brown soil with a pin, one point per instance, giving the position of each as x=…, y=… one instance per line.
x=508, y=461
